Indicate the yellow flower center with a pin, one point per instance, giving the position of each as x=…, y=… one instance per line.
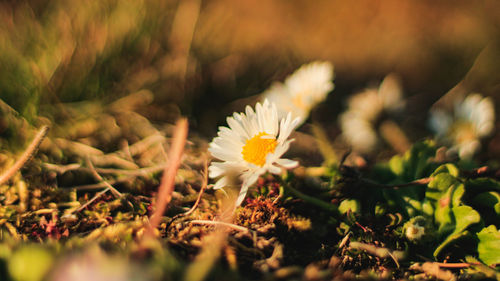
x=464, y=131
x=256, y=149
x=299, y=102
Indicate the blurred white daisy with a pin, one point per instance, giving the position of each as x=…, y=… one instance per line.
x=358, y=132
x=473, y=119
x=301, y=91
x=252, y=145
x=358, y=123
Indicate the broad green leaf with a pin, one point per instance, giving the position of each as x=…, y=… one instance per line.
x=457, y=193
x=489, y=245
x=480, y=185
x=350, y=204
x=444, y=192
x=489, y=200
x=465, y=217
x=406, y=200
x=455, y=238
x=439, y=185
x=447, y=169
x=428, y=207
x=460, y=219
x=417, y=163
x=397, y=165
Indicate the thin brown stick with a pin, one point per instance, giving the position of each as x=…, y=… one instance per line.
x=91, y=200
x=202, y=190
x=101, y=185
x=395, y=136
x=453, y=265
x=215, y=241
x=168, y=179
x=26, y=156
x=61, y=169
x=422, y=181
x=221, y=223
x=98, y=177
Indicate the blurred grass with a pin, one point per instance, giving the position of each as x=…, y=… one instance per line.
x=201, y=54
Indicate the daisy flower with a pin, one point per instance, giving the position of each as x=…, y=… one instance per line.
x=415, y=232
x=473, y=119
x=252, y=145
x=415, y=228
x=301, y=91
x=359, y=122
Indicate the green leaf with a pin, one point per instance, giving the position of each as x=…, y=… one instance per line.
x=440, y=184
x=397, y=165
x=444, y=193
x=489, y=245
x=465, y=217
x=480, y=185
x=446, y=169
x=459, y=220
x=350, y=204
x=414, y=164
x=489, y=200
x=417, y=160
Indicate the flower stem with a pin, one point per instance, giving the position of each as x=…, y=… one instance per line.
x=312, y=200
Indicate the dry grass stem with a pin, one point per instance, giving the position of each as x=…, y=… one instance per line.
x=395, y=136
x=91, y=200
x=26, y=156
x=168, y=179
x=99, y=178
x=221, y=223
x=202, y=190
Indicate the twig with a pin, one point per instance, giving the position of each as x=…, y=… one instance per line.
x=61, y=169
x=142, y=145
x=167, y=182
x=99, y=178
x=221, y=223
x=26, y=156
x=202, y=190
x=369, y=183
x=433, y=269
x=113, y=159
x=378, y=251
x=100, y=185
x=454, y=265
x=77, y=148
x=91, y=200
x=324, y=145
x=395, y=136
x=423, y=181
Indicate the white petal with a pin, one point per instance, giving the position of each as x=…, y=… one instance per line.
x=222, y=182
x=237, y=127
x=241, y=195
x=287, y=163
x=214, y=171
x=223, y=154
x=274, y=169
